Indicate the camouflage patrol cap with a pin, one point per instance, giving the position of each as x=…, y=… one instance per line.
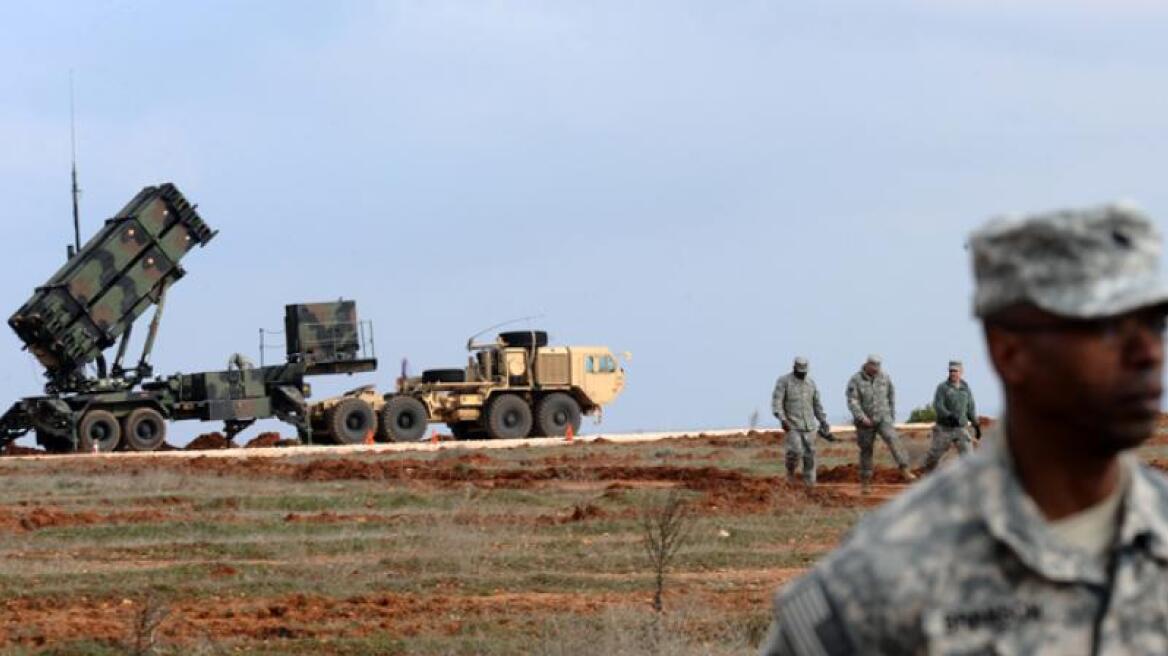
x=955, y=365
x=1080, y=264
x=873, y=359
x=801, y=364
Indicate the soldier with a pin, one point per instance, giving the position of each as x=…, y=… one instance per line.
x=953, y=403
x=872, y=402
x=796, y=405
x=1052, y=538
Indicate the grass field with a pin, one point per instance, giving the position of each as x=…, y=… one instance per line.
x=454, y=552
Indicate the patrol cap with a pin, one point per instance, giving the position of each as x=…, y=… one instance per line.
x=1079, y=263
x=801, y=364
x=955, y=365
x=873, y=359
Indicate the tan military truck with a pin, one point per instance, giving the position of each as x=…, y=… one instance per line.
x=515, y=386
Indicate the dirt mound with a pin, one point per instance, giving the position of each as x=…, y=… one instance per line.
x=263, y=441
x=740, y=440
x=850, y=473
x=209, y=442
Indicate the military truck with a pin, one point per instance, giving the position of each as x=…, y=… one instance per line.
x=93, y=302
x=512, y=387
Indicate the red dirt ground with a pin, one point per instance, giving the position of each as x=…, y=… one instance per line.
x=208, y=442
x=263, y=440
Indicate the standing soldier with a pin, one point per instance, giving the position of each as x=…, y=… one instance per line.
x=953, y=403
x=796, y=405
x=872, y=402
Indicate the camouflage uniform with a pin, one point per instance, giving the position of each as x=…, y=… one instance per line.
x=874, y=398
x=955, y=411
x=796, y=402
x=987, y=575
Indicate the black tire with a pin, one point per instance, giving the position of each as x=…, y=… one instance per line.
x=467, y=430
x=508, y=417
x=444, y=376
x=143, y=429
x=524, y=338
x=98, y=430
x=554, y=413
x=403, y=419
x=351, y=422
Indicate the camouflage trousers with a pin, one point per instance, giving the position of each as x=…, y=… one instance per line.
x=866, y=438
x=801, y=445
x=943, y=438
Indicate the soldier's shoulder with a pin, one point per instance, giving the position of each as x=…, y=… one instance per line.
x=784, y=379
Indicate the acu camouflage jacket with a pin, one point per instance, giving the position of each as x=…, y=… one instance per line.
x=965, y=564
x=873, y=397
x=954, y=404
x=797, y=401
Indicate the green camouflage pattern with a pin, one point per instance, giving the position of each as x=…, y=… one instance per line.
x=116, y=276
x=322, y=332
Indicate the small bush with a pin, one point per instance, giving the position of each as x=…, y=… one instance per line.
x=923, y=415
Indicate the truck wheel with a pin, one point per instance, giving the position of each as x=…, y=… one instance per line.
x=143, y=430
x=555, y=412
x=524, y=338
x=99, y=430
x=444, y=376
x=351, y=422
x=508, y=417
x=403, y=419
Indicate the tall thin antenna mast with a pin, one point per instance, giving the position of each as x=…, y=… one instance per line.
x=73, y=150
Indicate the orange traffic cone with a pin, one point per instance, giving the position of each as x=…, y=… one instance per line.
x=570, y=434
x=434, y=437
x=369, y=437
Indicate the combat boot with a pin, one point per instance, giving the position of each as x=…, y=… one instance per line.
x=865, y=486
x=907, y=475
x=791, y=477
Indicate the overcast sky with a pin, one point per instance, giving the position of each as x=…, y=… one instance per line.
x=714, y=186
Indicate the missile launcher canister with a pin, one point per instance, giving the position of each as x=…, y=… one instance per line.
x=116, y=276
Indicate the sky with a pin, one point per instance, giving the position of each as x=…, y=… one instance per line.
x=714, y=187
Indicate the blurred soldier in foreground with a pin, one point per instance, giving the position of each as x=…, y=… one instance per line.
x=872, y=402
x=956, y=416
x=1051, y=539
x=796, y=405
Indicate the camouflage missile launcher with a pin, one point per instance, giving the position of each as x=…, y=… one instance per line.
x=93, y=301
x=96, y=297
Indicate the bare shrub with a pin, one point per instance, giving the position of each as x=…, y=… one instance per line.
x=664, y=528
